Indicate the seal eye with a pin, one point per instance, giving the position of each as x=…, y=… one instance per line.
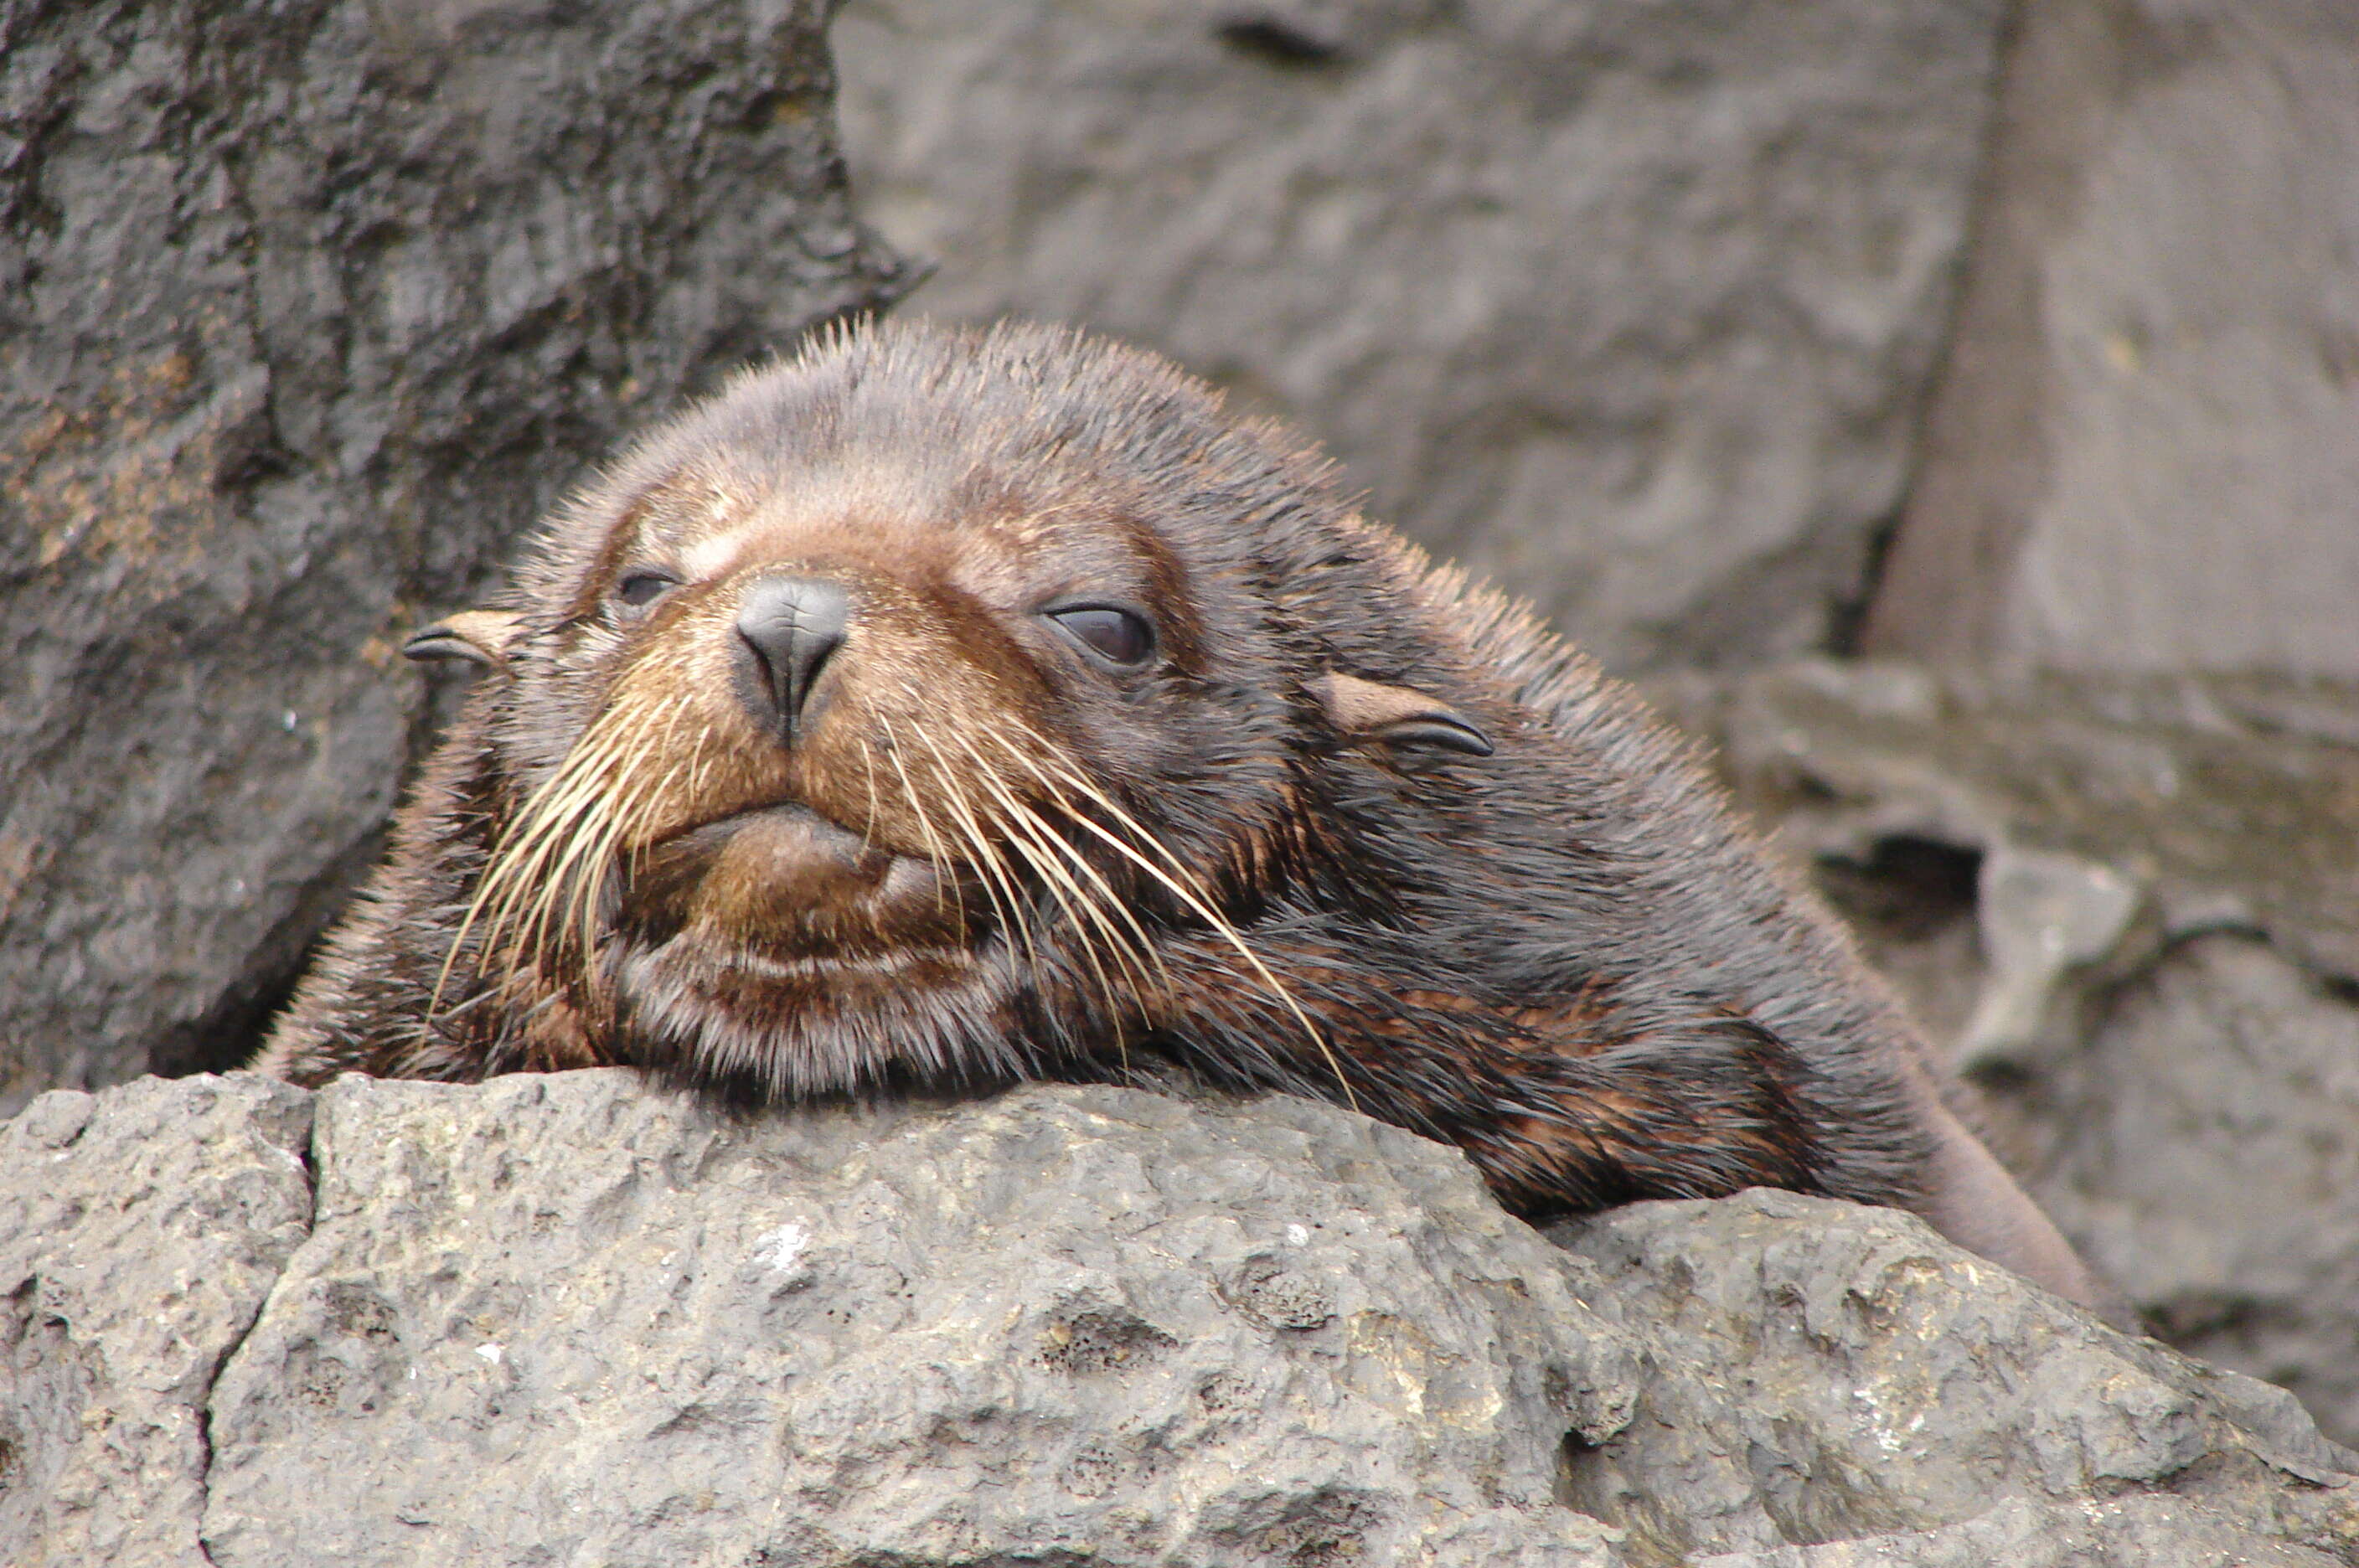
x=1116, y=636
x=644, y=587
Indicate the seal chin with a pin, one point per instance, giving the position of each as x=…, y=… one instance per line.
x=865, y=986
x=775, y=944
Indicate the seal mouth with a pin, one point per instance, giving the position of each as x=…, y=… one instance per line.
x=782, y=884
x=776, y=943
x=786, y=825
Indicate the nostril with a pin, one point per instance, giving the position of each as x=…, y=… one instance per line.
x=790, y=626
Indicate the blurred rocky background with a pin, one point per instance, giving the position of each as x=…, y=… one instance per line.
x=1946, y=406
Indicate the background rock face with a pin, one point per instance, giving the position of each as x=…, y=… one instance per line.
x=572, y=1318
x=2141, y=454
x=1626, y=305
x=306, y=312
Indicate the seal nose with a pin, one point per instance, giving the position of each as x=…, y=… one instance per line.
x=790, y=626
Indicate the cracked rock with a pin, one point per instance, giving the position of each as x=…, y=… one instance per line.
x=576, y=1319
x=2137, y=455
x=139, y=1231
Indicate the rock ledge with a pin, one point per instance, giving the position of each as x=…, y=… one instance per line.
x=572, y=1319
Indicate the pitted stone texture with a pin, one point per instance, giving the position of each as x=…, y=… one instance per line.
x=575, y=1319
x=1627, y=304
x=572, y=1319
x=2120, y=1532
x=139, y=1232
x=1817, y=1373
x=306, y=311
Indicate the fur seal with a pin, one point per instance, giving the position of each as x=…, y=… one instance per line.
x=947, y=708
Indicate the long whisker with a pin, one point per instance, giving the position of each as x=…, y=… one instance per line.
x=1185, y=894
x=999, y=882
x=945, y=864
x=537, y=883
x=946, y=897
x=987, y=859
x=524, y=876
x=634, y=801
x=1053, y=875
x=1131, y=950
x=1118, y=945
x=493, y=894
x=1136, y=944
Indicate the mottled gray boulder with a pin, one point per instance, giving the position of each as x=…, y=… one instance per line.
x=1816, y=1375
x=139, y=1233
x=306, y=312
x=2135, y=1531
x=2140, y=453
x=574, y=1319
x=1628, y=305
x=2132, y=908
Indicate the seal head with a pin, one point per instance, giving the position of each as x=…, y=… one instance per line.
x=942, y=707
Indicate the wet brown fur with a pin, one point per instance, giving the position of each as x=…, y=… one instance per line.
x=1276, y=852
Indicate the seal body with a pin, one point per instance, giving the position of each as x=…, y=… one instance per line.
x=944, y=708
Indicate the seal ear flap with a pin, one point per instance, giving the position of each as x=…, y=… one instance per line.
x=479, y=636
x=1400, y=715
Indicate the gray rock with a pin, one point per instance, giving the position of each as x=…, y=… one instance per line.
x=2132, y=907
x=2204, y=1145
x=574, y=1319
x=306, y=312
x=1627, y=305
x=2140, y=455
x=139, y=1232
x=2117, y=1532
x=1817, y=1375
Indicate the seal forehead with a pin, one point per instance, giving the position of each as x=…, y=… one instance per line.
x=974, y=528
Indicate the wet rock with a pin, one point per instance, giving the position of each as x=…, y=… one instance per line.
x=306, y=312
x=1628, y=305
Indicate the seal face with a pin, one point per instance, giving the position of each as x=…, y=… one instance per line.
x=948, y=708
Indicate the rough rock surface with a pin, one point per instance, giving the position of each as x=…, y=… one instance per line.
x=139, y=1232
x=2132, y=907
x=2139, y=456
x=1060, y=1321
x=574, y=1319
x=1816, y=1376
x=1628, y=305
x=306, y=310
